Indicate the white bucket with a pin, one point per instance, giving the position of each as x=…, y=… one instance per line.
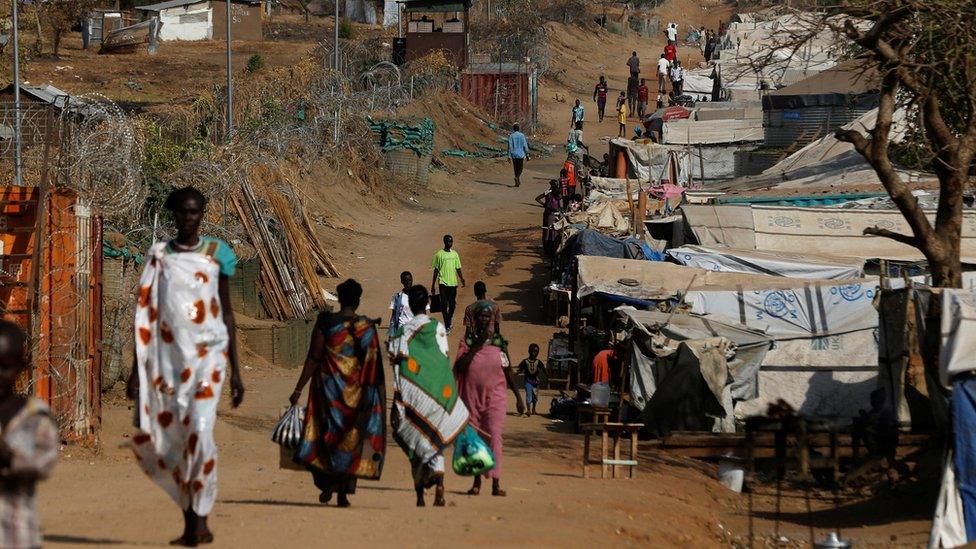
x=731, y=473
x=600, y=395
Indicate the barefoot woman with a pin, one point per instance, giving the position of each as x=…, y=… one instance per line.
x=344, y=436
x=184, y=331
x=483, y=371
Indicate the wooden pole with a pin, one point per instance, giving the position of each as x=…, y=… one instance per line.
x=641, y=212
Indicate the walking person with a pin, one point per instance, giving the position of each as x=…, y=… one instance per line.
x=518, y=152
x=185, y=339
x=483, y=372
x=530, y=368
x=427, y=413
x=663, y=65
x=600, y=92
x=677, y=78
x=28, y=445
x=671, y=53
x=447, y=275
x=551, y=206
x=344, y=432
x=400, y=312
x=642, y=96
x=634, y=64
x=622, y=115
x=672, y=33
x=576, y=116
x=481, y=295
x=632, y=84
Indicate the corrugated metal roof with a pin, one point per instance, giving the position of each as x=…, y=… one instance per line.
x=177, y=3
x=51, y=95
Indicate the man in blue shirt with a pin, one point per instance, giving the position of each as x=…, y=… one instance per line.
x=518, y=152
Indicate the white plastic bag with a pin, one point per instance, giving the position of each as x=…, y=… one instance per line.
x=288, y=431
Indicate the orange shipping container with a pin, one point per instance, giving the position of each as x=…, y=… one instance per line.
x=66, y=333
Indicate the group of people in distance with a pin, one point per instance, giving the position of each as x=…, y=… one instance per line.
x=185, y=350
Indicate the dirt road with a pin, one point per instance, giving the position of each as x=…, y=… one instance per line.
x=103, y=499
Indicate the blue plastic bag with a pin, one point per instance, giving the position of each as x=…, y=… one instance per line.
x=472, y=455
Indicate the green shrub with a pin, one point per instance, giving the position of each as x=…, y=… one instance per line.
x=345, y=29
x=255, y=63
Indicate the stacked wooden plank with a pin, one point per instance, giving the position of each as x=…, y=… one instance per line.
x=292, y=260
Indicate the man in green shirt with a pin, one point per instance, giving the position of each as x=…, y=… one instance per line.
x=447, y=273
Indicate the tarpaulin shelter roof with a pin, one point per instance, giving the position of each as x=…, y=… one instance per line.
x=814, y=154
x=658, y=280
x=793, y=265
x=827, y=231
x=850, y=78
x=713, y=132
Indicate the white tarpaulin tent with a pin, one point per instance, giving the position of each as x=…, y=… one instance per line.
x=958, y=354
x=841, y=232
x=809, y=309
x=824, y=361
x=823, y=231
x=648, y=161
x=821, y=376
x=721, y=225
x=713, y=132
x=776, y=264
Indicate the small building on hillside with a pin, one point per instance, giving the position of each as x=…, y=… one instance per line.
x=192, y=20
x=435, y=25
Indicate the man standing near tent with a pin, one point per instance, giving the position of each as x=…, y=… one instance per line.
x=677, y=78
x=447, y=274
x=662, y=74
x=518, y=153
x=600, y=96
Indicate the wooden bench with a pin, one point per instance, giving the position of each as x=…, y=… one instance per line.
x=609, y=466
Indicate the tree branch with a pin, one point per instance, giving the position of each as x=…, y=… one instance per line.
x=897, y=237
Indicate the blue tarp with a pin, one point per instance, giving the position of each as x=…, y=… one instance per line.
x=595, y=243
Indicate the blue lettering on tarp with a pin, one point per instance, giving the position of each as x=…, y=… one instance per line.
x=791, y=115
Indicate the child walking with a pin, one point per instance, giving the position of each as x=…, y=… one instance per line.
x=530, y=368
x=28, y=445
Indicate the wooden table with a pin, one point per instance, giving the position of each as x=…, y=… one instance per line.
x=592, y=413
x=607, y=431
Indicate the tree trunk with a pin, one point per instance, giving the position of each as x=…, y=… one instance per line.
x=56, y=41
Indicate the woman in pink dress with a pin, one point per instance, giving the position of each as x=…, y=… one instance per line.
x=483, y=371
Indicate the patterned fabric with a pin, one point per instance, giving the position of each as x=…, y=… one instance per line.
x=427, y=414
x=32, y=438
x=345, y=422
x=181, y=352
x=219, y=250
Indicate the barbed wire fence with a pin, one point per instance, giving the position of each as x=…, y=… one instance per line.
x=98, y=192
